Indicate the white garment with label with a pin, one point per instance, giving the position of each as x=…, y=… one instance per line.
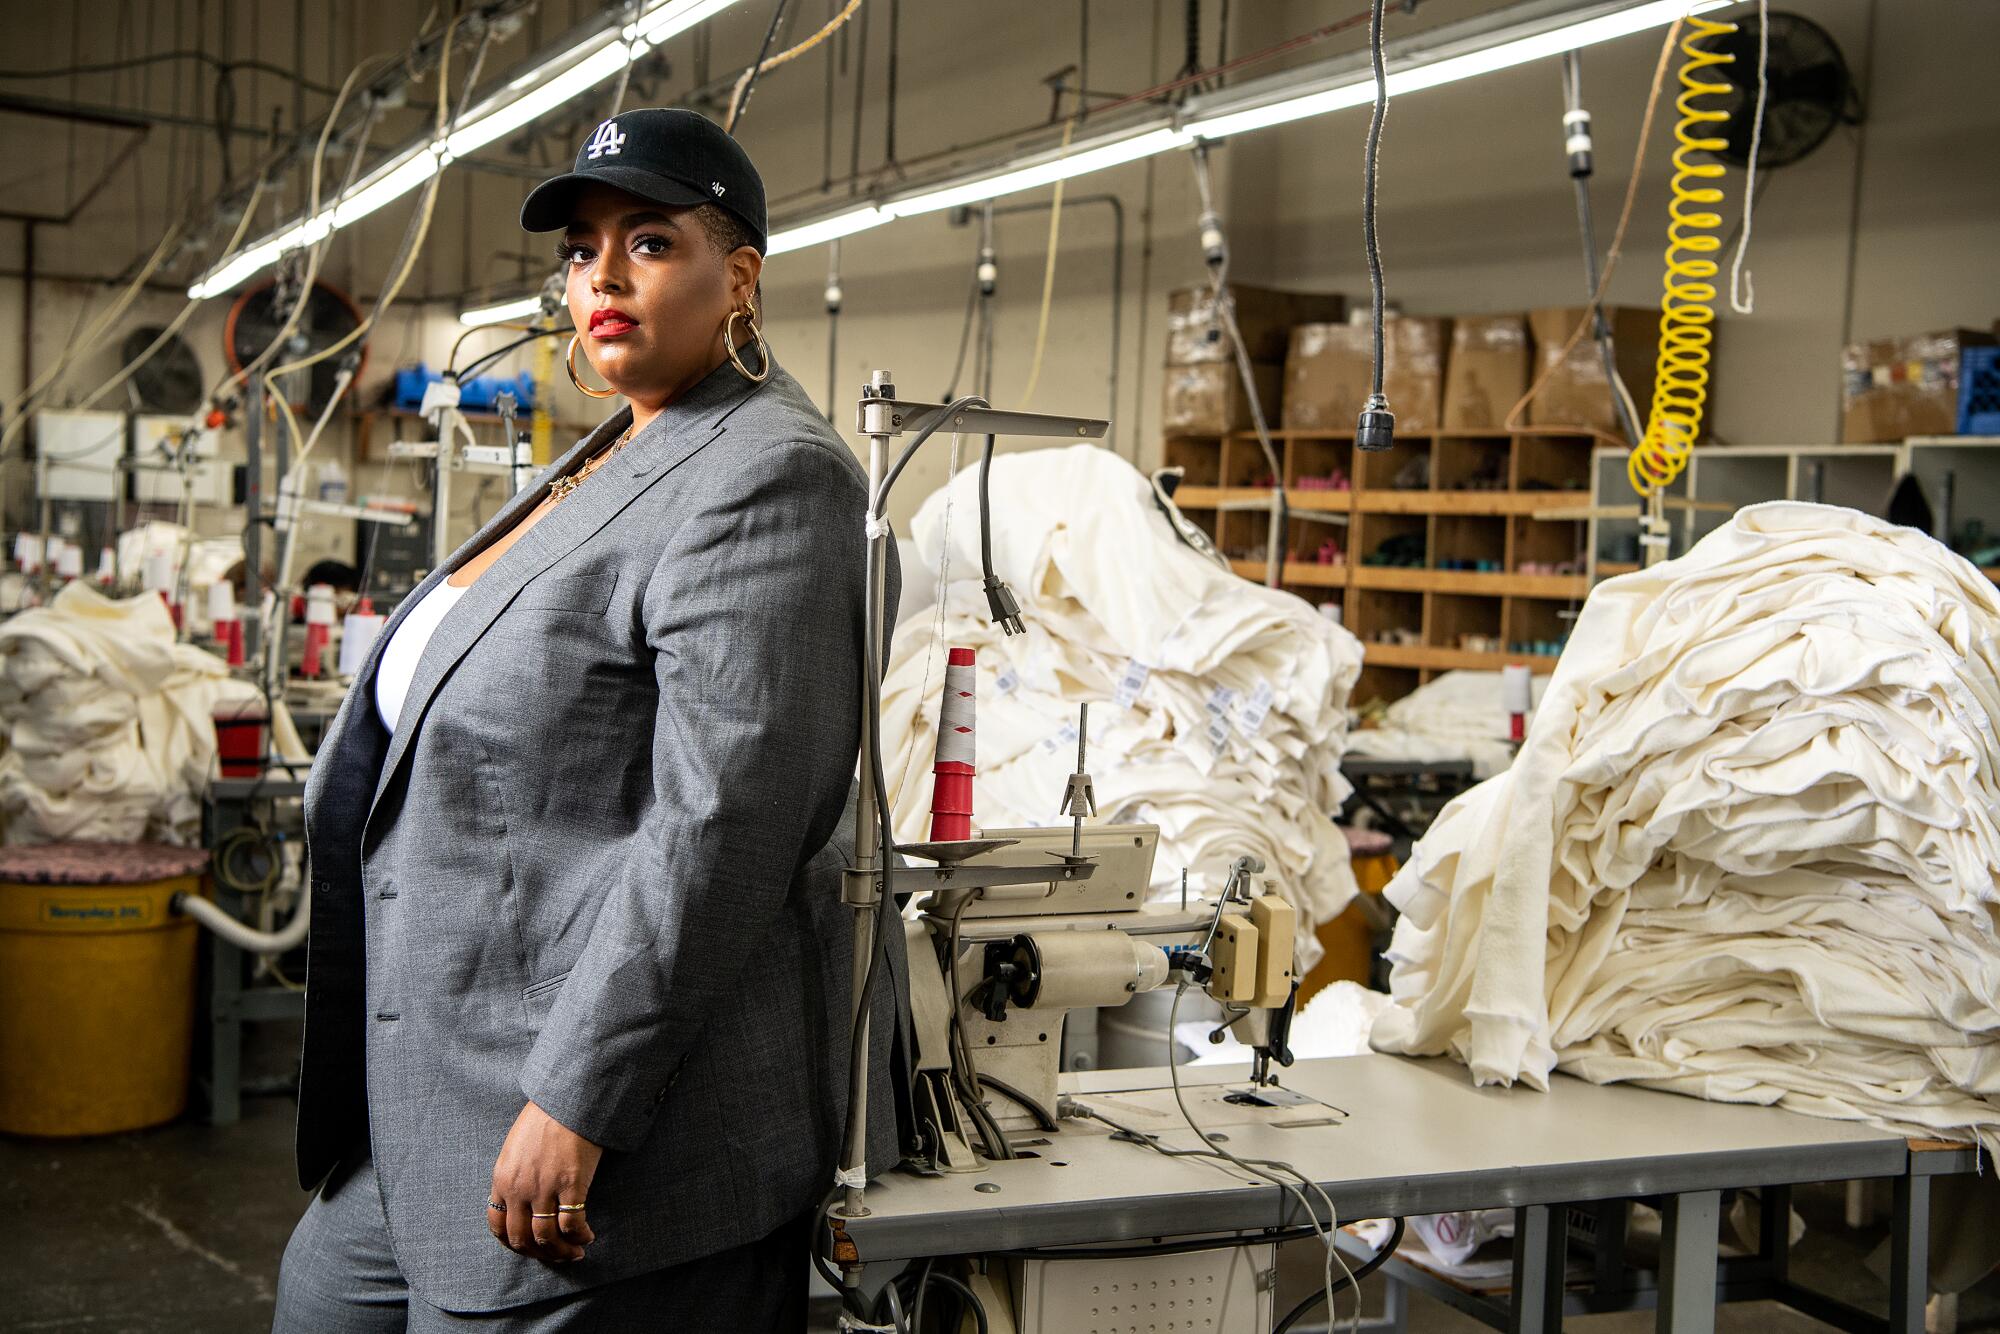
x=398, y=666
x=1749, y=848
x=1218, y=706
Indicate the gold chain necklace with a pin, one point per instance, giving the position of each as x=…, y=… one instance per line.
x=562, y=486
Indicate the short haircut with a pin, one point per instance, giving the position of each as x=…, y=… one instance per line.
x=725, y=231
x=728, y=233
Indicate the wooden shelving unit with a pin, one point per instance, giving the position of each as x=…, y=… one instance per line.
x=1465, y=496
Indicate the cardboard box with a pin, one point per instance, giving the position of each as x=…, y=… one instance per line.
x=1486, y=373
x=1894, y=388
x=1208, y=399
x=1576, y=393
x=1329, y=369
x=1263, y=316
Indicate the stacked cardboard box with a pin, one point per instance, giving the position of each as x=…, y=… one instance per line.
x=1204, y=389
x=1330, y=367
x=1894, y=388
x=1576, y=392
x=1487, y=372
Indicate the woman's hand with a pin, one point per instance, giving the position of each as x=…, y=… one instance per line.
x=542, y=1166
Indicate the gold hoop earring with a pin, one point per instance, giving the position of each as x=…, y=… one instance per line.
x=582, y=388
x=757, y=336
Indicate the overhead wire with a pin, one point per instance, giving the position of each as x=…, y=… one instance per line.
x=179, y=321
x=739, y=96
x=19, y=407
x=1616, y=248
x=413, y=239
x=316, y=253
x=1048, y=275
x=1742, y=291
x=159, y=57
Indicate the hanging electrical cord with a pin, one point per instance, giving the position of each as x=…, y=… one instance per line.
x=20, y=407
x=1276, y=1172
x=739, y=99
x=1687, y=311
x=317, y=252
x=1215, y=253
x=174, y=326
x=1375, y=428
x=1615, y=250
x=1582, y=163
x=413, y=239
x=1382, y=1256
x=1742, y=291
x=1048, y=276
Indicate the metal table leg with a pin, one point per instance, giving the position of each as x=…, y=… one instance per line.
x=1909, y=1254
x=1541, y=1252
x=1689, y=1231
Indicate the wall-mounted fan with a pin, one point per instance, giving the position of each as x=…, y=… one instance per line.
x=328, y=317
x=169, y=382
x=1810, y=90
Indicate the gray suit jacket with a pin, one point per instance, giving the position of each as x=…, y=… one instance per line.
x=597, y=865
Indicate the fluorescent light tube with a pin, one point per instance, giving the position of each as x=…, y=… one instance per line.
x=676, y=16
x=1410, y=79
x=505, y=310
x=1042, y=173
x=826, y=229
x=530, y=106
x=539, y=92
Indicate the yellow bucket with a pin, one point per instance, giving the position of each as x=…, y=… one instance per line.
x=97, y=987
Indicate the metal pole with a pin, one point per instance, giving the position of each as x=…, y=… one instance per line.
x=833, y=298
x=863, y=889
x=253, y=514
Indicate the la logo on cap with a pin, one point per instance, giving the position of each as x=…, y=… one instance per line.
x=606, y=142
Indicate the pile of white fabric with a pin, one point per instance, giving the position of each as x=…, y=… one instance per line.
x=109, y=724
x=1458, y=716
x=1217, y=706
x=1748, y=851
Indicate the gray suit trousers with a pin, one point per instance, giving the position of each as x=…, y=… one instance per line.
x=339, y=1276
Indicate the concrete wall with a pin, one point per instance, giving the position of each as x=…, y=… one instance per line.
x=1889, y=228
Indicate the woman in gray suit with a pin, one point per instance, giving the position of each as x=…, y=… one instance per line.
x=577, y=1013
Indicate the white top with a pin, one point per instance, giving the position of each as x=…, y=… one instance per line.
x=398, y=666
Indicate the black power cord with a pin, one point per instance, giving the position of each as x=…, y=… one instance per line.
x=756, y=67
x=1373, y=1263
x=1375, y=429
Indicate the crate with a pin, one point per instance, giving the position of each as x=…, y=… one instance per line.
x=1979, y=391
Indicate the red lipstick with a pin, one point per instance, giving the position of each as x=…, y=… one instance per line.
x=611, y=322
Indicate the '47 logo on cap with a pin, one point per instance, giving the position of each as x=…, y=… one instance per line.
x=606, y=142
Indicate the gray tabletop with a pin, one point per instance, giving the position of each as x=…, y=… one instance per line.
x=1391, y=1136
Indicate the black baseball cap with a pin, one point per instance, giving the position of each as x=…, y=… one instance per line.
x=663, y=154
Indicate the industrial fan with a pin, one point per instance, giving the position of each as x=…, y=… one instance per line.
x=1810, y=90
x=260, y=313
x=169, y=381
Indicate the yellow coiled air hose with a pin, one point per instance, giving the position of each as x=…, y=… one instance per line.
x=1687, y=310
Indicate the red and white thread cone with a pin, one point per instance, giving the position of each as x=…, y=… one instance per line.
x=319, y=628
x=221, y=612
x=951, y=789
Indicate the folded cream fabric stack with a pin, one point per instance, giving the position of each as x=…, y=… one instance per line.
x=1748, y=850
x=1217, y=706
x=108, y=721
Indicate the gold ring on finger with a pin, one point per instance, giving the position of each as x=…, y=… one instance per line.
x=569, y=1208
x=535, y=1215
